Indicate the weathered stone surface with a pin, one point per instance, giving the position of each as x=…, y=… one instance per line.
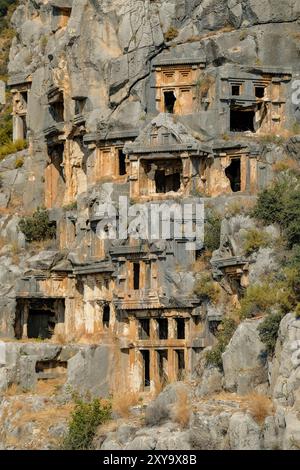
x=211, y=382
x=160, y=409
x=244, y=433
x=81, y=371
x=245, y=359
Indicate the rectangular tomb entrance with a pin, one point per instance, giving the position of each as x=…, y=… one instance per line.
x=38, y=318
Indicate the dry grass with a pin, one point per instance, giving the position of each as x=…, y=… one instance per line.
x=182, y=408
x=287, y=164
x=202, y=263
x=225, y=29
x=259, y=406
x=123, y=401
x=239, y=207
x=49, y=387
x=12, y=390
x=47, y=416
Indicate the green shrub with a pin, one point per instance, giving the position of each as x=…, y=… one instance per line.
x=224, y=334
x=19, y=163
x=85, y=419
x=254, y=240
x=12, y=147
x=268, y=330
x=38, y=227
x=206, y=288
x=172, y=33
x=71, y=206
x=212, y=231
x=281, y=204
x=297, y=311
x=277, y=292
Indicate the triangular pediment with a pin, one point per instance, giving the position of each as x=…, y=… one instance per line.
x=163, y=130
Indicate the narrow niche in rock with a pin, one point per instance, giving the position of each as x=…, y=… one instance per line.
x=242, y=120
x=122, y=162
x=106, y=315
x=233, y=173
x=170, y=100
x=146, y=367
x=53, y=369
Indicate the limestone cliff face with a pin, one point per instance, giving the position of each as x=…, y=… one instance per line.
x=159, y=102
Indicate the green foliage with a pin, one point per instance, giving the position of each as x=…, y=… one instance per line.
x=297, y=311
x=37, y=227
x=254, y=240
x=268, y=330
x=212, y=231
x=275, y=293
x=12, y=147
x=281, y=204
x=19, y=163
x=5, y=127
x=224, y=335
x=85, y=419
x=172, y=33
x=71, y=206
x=206, y=288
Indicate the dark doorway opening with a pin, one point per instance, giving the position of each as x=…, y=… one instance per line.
x=162, y=328
x=122, y=163
x=40, y=316
x=180, y=364
x=162, y=356
x=165, y=183
x=136, y=276
x=51, y=369
x=180, y=328
x=235, y=90
x=144, y=328
x=106, y=316
x=56, y=154
x=241, y=120
x=24, y=127
x=41, y=322
x=259, y=91
x=170, y=99
x=146, y=367
x=233, y=173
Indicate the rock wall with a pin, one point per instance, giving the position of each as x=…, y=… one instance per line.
x=156, y=102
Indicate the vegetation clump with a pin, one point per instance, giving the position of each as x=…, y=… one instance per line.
x=85, y=419
x=37, y=227
x=171, y=34
x=212, y=231
x=223, y=335
x=268, y=330
x=206, y=288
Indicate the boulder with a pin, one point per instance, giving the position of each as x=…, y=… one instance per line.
x=89, y=370
x=244, y=433
x=245, y=359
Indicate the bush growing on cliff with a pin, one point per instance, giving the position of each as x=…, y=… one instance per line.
x=268, y=330
x=12, y=147
x=281, y=204
x=276, y=293
x=38, y=227
x=212, y=231
x=254, y=240
x=224, y=335
x=85, y=419
x=206, y=288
